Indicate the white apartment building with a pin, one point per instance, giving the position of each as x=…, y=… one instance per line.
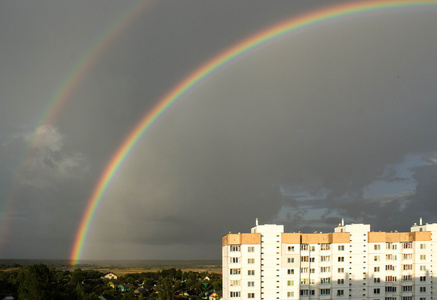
x=350, y=263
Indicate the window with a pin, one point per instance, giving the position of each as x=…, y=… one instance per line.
x=251, y=272
x=422, y=278
x=407, y=298
x=376, y=280
x=250, y=295
x=251, y=283
x=422, y=268
x=340, y=292
x=407, y=245
x=390, y=267
x=304, y=258
x=408, y=256
x=377, y=291
x=304, y=247
x=391, y=257
x=377, y=247
x=340, y=281
x=234, y=271
x=340, y=270
x=390, y=289
x=235, y=294
x=304, y=292
x=290, y=282
x=376, y=258
x=290, y=294
x=391, y=246
x=407, y=267
x=251, y=249
x=376, y=269
x=234, y=282
x=312, y=248
x=251, y=260
x=407, y=277
x=325, y=291
x=234, y=260
x=422, y=257
x=325, y=280
x=340, y=247
x=341, y=259
x=325, y=269
x=304, y=270
x=290, y=271
x=422, y=289
x=390, y=278
x=422, y=246
x=290, y=260
x=325, y=258
x=407, y=288
x=235, y=248
x=304, y=281
x=312, y=270
x=325, y=247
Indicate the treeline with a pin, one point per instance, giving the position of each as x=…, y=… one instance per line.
x=41, y=282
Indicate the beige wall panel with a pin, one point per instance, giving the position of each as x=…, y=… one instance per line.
x=398, y=237
x=316, y=238
x=250, y=238
x=376, y=237
x=422, y=235
x=290, y=238
x=242, y=238
x=341, y=237
x=231, y=239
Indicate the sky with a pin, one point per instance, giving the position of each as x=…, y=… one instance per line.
x=336, y=120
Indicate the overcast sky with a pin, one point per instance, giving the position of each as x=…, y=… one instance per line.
x=334, y=121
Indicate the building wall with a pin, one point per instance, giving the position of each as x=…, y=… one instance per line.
x=350, y=263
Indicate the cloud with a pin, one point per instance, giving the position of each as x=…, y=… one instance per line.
x=302, y=131
x=46, y=161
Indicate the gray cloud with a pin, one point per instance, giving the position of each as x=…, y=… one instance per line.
x=296, y=132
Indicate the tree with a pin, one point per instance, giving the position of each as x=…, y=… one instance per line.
x=37, y=283
x=77, y=276
x=165, y=289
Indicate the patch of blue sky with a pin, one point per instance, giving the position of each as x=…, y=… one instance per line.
x=396, y=179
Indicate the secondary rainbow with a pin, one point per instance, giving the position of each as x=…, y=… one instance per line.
x=213, y=65
x=63, y=93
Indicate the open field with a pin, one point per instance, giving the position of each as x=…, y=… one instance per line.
x=124, y=271
x=122, y=267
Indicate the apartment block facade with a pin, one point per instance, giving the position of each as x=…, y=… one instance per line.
x=350, y=263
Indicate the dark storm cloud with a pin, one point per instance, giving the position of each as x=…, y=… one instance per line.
x=292, y=133
x=228, y=147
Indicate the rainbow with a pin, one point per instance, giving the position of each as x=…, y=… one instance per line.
x=210, y=67
x=65, y=90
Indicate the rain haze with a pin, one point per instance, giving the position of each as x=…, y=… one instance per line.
x=333, y=120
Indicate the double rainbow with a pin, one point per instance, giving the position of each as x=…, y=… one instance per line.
x=200, y=74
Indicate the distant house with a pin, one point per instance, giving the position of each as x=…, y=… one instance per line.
x=216, y=296
x=111, y=276
x=213, y=296
x=107, y=297
x=114, y=283
x=125, y=287
x=140, y=291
